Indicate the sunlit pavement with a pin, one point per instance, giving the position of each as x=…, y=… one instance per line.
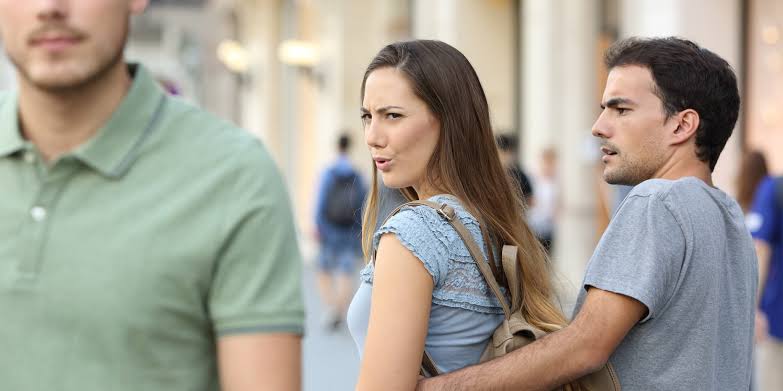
x=331, y=361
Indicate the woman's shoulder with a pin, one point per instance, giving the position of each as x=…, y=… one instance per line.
x=421, y=218
x=432, y=239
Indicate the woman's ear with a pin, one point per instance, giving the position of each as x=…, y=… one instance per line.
x=687, y=123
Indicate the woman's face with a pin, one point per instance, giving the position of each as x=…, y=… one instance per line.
x=399, y=129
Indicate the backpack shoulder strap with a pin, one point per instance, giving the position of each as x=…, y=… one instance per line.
x=448, y=213
x=513, y=276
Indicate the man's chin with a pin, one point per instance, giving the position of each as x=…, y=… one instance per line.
x=60, y=76
x=614, y=178
x=56, y=79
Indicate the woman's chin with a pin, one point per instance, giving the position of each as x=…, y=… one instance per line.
x=390, y=182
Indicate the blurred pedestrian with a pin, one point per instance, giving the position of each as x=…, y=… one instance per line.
x=543, y=215
x=423, y=288
x=508, y=147
x=752, y=171
x=338, y=219
x=765, y=221
x=669, y=293
x=144, y=244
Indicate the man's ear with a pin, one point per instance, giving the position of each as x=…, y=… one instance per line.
x=137, y=6
x=687, y=122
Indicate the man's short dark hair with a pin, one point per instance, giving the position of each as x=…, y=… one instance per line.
x=343, y=143
x=687, y=76
x=507, y=142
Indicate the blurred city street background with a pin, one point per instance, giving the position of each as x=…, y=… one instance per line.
x=330, y=360
x=289, y=71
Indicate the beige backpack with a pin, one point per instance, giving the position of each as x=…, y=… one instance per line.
x=515, y=331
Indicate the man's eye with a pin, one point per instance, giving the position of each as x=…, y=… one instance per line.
x=621, y=110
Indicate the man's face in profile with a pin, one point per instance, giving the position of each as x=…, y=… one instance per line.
x=631, y=127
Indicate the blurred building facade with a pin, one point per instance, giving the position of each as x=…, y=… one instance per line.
x=289, y=71
x=540, y=62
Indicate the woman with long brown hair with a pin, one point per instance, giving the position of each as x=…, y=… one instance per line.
x=427, y=126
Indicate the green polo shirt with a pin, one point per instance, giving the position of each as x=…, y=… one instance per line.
x=122, y=262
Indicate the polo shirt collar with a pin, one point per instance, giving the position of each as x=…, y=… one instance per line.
x=10, y=138
x=116, y=145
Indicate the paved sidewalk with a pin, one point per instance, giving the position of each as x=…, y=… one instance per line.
x=331, y=361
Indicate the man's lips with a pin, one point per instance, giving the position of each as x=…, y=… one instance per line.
x=607, y=151
x=55, y=37
x=55, y=42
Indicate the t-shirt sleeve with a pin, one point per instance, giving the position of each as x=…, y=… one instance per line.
x=420, y=230
x=256, y=285
x=764, y=219
x=640, y=255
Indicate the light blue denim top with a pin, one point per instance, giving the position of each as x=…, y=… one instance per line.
x=464, y=312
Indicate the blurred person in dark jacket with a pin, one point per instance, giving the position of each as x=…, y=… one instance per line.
x=508, y=147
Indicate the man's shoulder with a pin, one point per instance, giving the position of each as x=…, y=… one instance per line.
x=206, y=135
x=653, y=188
x=182, y=116
x=667, y=189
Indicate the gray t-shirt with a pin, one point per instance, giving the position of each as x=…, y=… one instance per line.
x=681, y=248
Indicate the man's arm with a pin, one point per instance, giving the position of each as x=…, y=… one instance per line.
x=579, y=349
x=255, y=295
x=260, y=362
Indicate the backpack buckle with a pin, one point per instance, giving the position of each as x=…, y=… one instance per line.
x=446, y=211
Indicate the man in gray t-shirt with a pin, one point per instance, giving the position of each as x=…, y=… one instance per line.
x=669, y=293
x=682, y=250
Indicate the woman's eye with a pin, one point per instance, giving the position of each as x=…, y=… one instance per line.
x=365, y=117
x=393, y=115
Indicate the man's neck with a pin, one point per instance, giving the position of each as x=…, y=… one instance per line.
x=685, y=166
x=58, y=122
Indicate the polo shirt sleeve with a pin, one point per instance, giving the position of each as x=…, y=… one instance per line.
x=640, y=255
x=764, y=219
x=256, y=285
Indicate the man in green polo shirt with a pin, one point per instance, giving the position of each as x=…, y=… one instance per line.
x=144, y=244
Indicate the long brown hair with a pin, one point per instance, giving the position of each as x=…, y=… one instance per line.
x=752, y=170
x=466, y=163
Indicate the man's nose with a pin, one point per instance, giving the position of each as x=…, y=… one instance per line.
x=51, y=9
x=600, y=128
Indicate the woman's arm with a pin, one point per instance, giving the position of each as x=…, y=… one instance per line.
x=399, y=314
